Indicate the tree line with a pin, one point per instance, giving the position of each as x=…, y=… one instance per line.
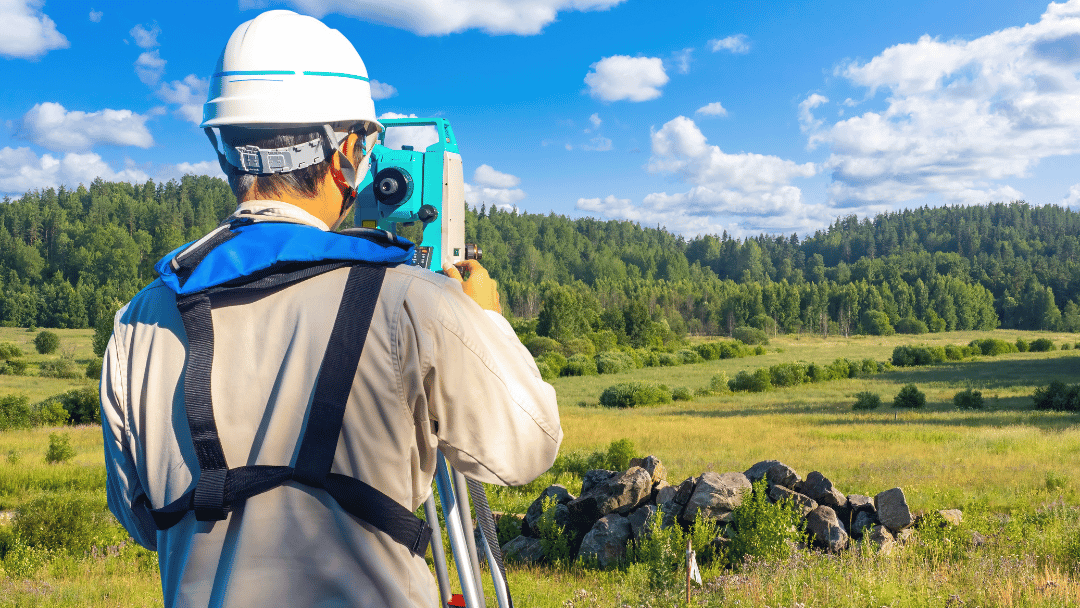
x=69, y=258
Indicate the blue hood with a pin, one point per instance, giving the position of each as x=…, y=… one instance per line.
x=258, y=246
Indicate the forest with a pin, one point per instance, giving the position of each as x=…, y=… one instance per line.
x=70, y=258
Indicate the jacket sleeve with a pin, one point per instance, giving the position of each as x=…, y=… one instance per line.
x=498, y=421
x=126, y=498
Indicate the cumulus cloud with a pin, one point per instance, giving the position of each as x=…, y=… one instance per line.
x=417, y=137
x=621, y=77
x=742, y=193
x=712, y=109
x=493, y=187
x=96, y=16
x=738, y=44
x=681, y=60
x=26, y=32
x=52, y=126
x=960, y=117
x=150, y=67
x=486, y=176
x=441, y=17
x=807, y=121
x=145, y=38
x=598, y=144
x=188, y=95
x=381, y=90
x=22, y=170
x=179, y=170
x=1072, y=199
x=595, y=121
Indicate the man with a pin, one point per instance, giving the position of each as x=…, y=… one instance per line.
x=218, y=385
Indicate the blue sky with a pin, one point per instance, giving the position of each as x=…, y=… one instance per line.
x=745, y=116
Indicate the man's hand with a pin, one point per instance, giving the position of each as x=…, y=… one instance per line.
x=479, y=286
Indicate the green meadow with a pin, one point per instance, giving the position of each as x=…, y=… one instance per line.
x=1014, y=471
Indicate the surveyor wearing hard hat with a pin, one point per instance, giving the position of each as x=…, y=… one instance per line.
x=272, y=404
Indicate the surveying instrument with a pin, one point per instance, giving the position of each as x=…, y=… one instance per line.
x=407, y=186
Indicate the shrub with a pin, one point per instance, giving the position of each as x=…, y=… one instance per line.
x=709, y=351
x=60, y=449
x=81, y=405
x=507, y=528
x=633, y=394
x=580, y=365
x=580, y=346
x=51, y=412
x=754, y=382
x=542, y=345
x=66, y=522
x=603, y=340
x=759, y=350
x=545, y=370
x=764, y=529
x=787, y=374
x=1066, y=346
x=613, y=362
x=10, y=351
x=866, y=401
x=14, y=412
x=46, y=342
x=667, y=360
x=876, y=323
x=817, y=373
x=911, y=325
x=555, y=361
x=93, y=369
x=1021, y=345
x=910, y=396
x=870, y=367
x=1042, y=345
x=719, y=383
x=907, y=355
x=13, y=367
x=955, y=352
x=1057, y=396
x=687, y=356
x=60, y=368
x=842, y=368
x=750, y=335
x=993, y=347
x=619, y=453
x=968, y=400
x=682, y=393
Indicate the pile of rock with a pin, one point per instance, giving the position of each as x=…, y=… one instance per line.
x=615, y=508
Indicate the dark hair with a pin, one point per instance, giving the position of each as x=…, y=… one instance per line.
x=305, y=182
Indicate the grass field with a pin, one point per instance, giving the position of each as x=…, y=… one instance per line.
x=1014, y=471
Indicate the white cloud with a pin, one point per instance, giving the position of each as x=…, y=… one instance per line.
x=150, y=67
x=960, y=117
x=681, y=59
x=188, y=94
x=145, y=38
x=493, y=187
x=96, y=16
x=417, y=137
x=485, y=175
x=622, y=77
x=21, y=170
x=1072, y=199
x=26, y=32
x=52, y=126
x=738, y=44
x=595, y=120
x=381, y=90
x=712, y=109
x=807, y=122
x=598, y=144
x=441, y=17
x=177, y=171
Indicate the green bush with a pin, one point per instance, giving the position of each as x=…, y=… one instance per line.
x=51, y=412
x=614, y=362
x=545, y=370
x=46, y=342
x=67, y=522
x=580, y=346
x=709, y=351
x=604, y=340
x=13, y=367
x=542, y=345
x=817, y=373
x=719, y=383
x=869, y=367
x=1042, y=345
x=763, y=529
x=1021, y=345
x=755, y=382
x=81, y=406
x=910, y=396
x=687, y=356
x=842, y=368
x=788, y=374
x=1057, y=396
x=876, y=323
x=750, y=335
x=555, y=361
x=667, y=360
x=682, y=393
x=60, y=368
x=507, y=528
x=10, y=351
x=60, y=449
x=554, y=540
x=993, y=347
x=907, y=355
x=759, y=350
x=93, y=369
x=866, y=401
x=15, y=412
x=968, y=400
x=619, y=453
x=955, y=352
x=580, y=365
x=633, y=394
x=911, y=325
x=1066, y=346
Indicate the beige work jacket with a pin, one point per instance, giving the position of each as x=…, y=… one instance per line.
x=431, y=355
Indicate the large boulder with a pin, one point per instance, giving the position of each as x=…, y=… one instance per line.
x=619, y=494
x=641, y=520
x=532, y=516
x=804, y=503
x=663, y=492
x=523, y=549
x=881, y=538
x=826, y=531
x=653, y=465
x=818, y=487
x=716, y=496
x=606, y=541
x=862, y=522
x=773, y=471
x=892, y=509
x=593, y=477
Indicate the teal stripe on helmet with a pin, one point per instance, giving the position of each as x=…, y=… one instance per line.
x=339, y=74
x=254, y=73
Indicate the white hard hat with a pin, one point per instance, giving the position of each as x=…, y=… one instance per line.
x=283, y=69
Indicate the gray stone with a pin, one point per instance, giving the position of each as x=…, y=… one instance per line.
x=536, y=509
x=653, y=465
x=606, y=541
x=881, y=538
x=858, y=502
x=685, y=491
x=593, y=477
x=804, y=503
x=716, y=496
x=523, y=549
x=863, y=521
x=818, y=487
x=641, y=520
x=775, y=472
x=620, y=493
x=825, y=529
x=663, y=492
x=952, y=516
x=892, y=509
x=905, y=535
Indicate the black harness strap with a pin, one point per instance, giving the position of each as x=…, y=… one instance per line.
x=219, y=488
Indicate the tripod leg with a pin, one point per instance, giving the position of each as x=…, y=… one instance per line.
x=462, y=489
x=438, y=553
x=455, y=529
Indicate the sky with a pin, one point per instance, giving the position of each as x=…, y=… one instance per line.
x=750, y=117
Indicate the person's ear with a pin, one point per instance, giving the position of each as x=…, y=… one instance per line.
x=351, y=148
